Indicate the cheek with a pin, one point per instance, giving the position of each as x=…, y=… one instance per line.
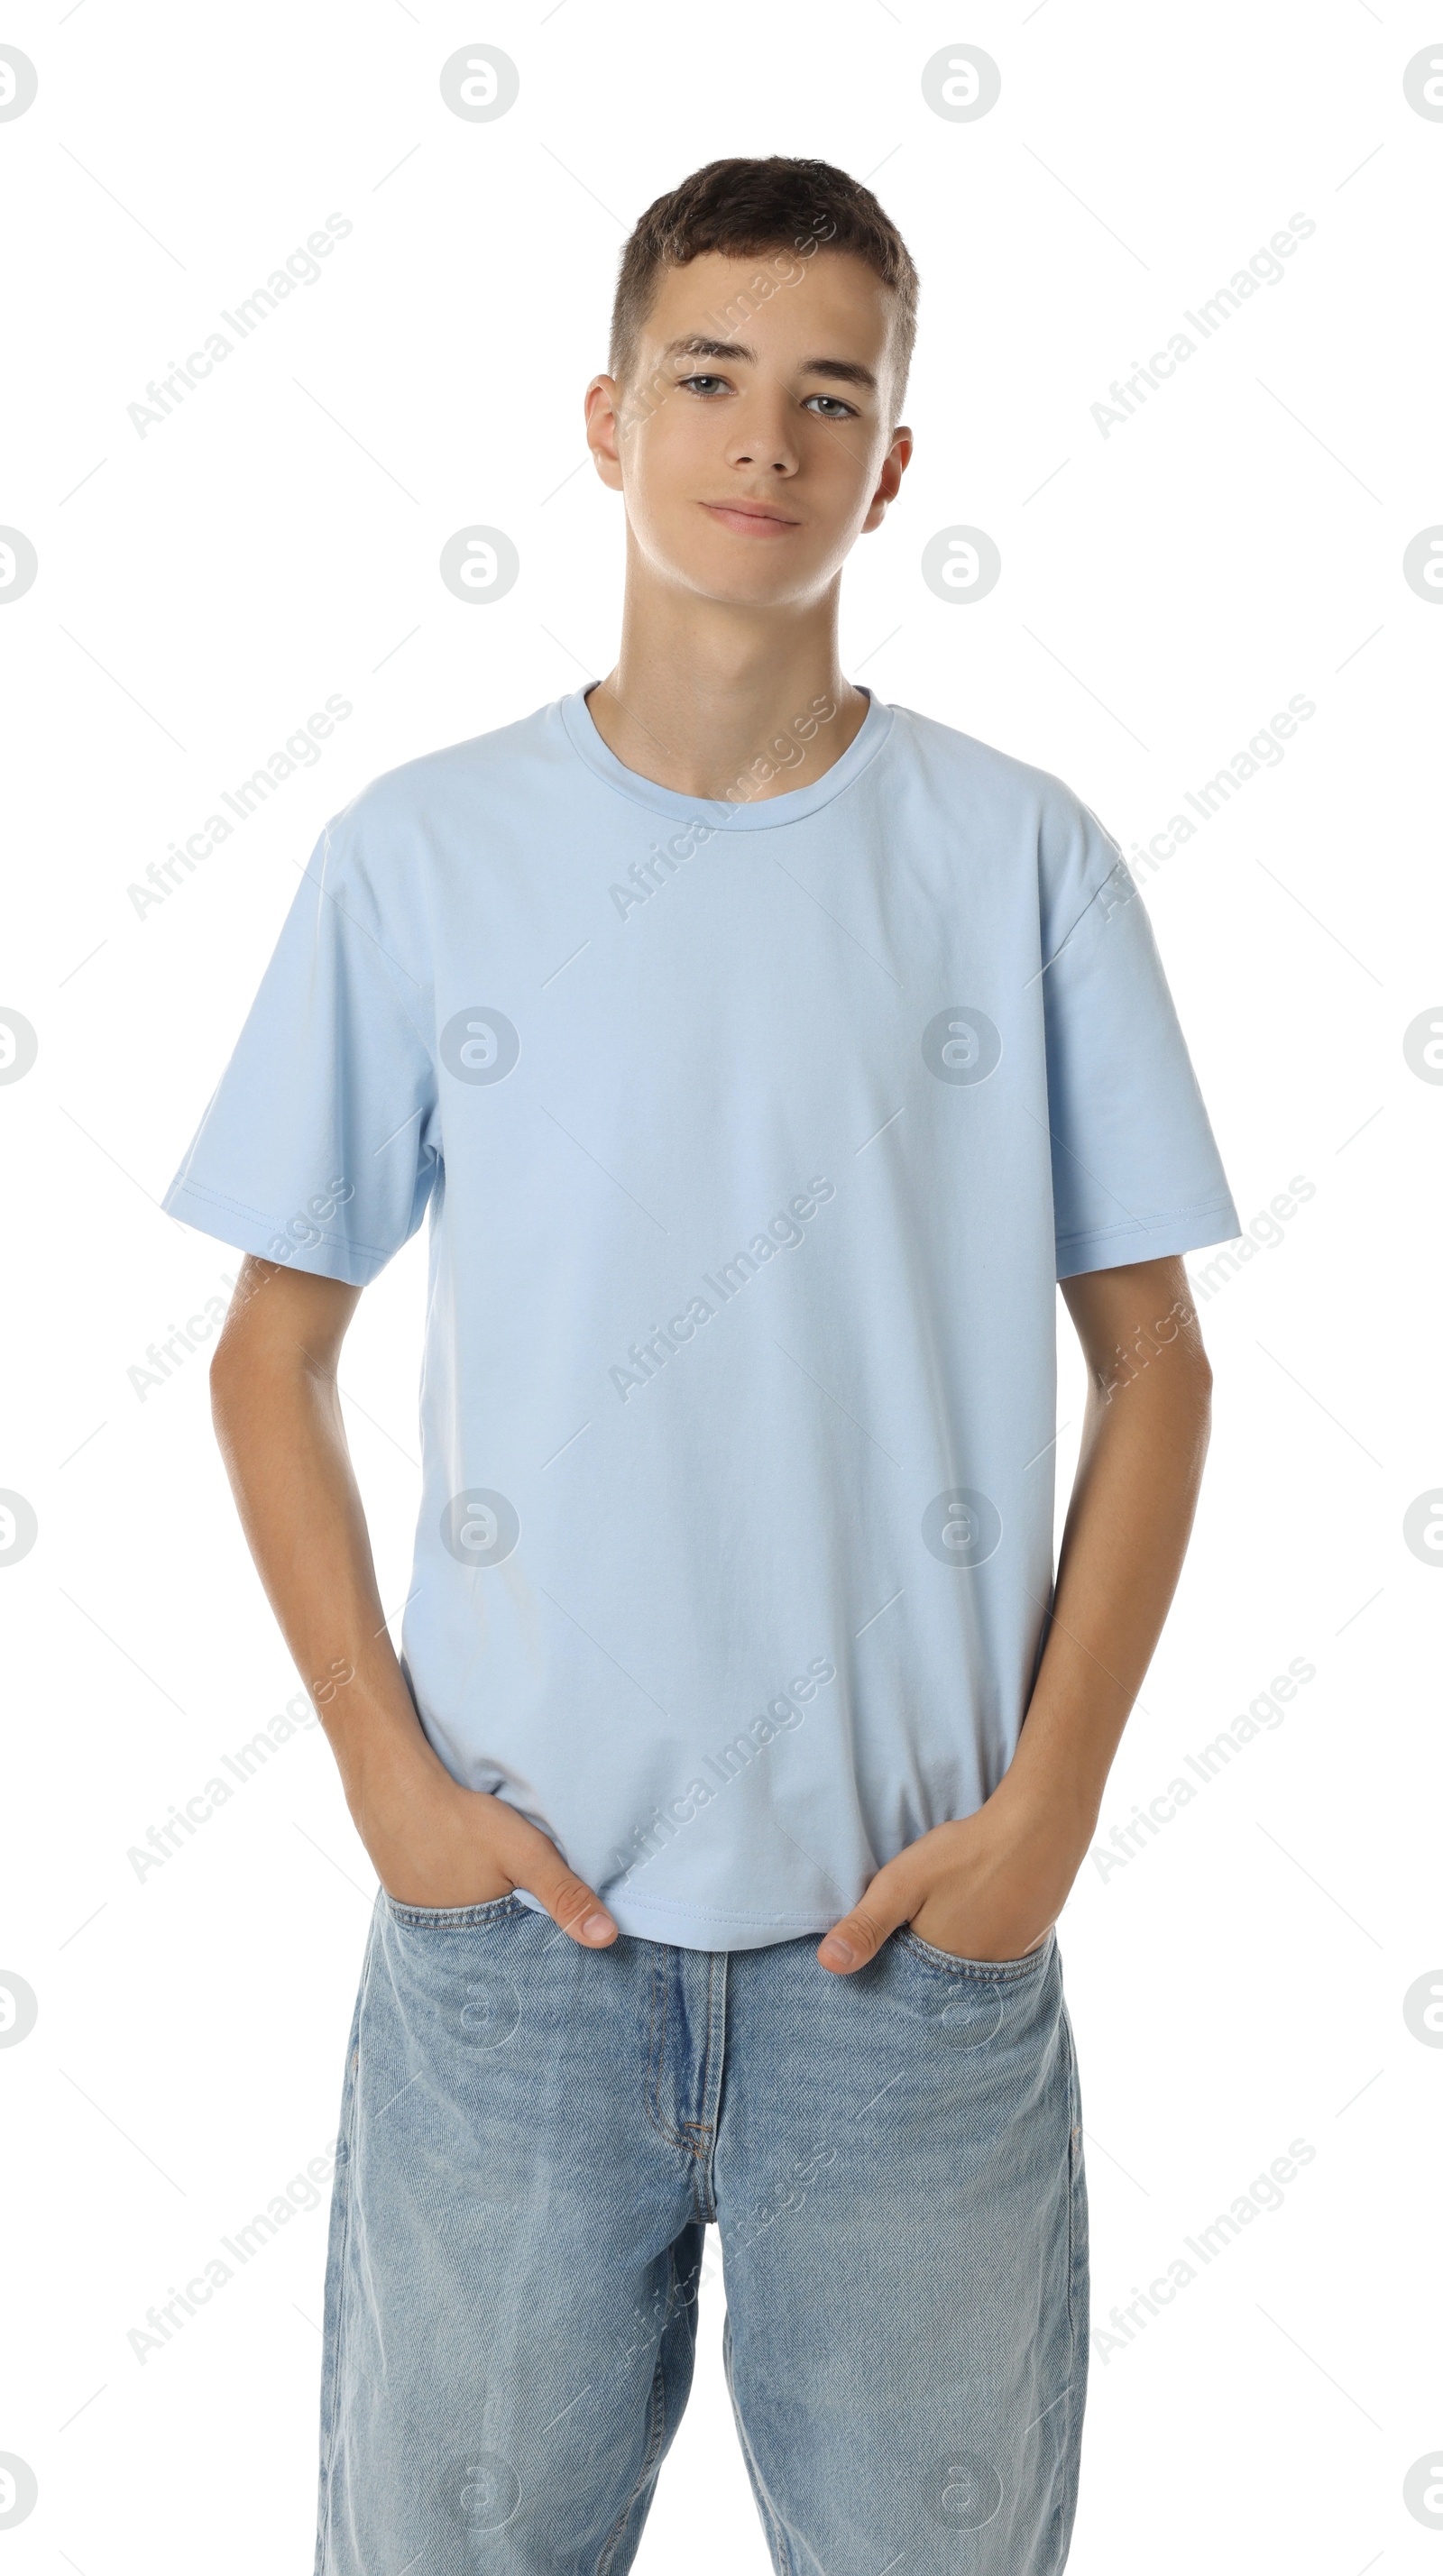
x=843, y=464
x=671, y=459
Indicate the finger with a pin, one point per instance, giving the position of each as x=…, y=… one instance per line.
x=533, y=1861
x=890, y=1899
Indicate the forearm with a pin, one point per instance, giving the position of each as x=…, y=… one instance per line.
x=279, y=1425
x=278, y=1419
x=1127, y=1531
x=991, y=1884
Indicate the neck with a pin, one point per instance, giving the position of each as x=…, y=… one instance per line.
x=720, y=699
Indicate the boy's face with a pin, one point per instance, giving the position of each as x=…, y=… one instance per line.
x=753, y=438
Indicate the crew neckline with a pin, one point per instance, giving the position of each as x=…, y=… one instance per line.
x=771, y=814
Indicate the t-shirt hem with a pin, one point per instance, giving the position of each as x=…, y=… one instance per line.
x=251, y=1230
x=689, y=1927
x=1147, y=1239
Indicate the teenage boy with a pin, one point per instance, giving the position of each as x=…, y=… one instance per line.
x=764, y=1056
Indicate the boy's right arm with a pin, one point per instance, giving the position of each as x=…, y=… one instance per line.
x=277, y=1414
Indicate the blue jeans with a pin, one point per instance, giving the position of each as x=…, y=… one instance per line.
x=533, y=2137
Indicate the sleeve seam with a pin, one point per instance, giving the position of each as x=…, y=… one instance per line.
x=349, y=1243
x=1149, y=1224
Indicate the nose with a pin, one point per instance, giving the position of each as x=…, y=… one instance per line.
x=762, y=438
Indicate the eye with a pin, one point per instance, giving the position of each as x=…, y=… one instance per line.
x=836, y=409
x=703, y=385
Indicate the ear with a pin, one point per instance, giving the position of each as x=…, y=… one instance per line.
x=601, y=428
x=894, y=466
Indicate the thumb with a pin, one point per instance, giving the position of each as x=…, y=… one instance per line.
x=890, y=1899
x=532, y=1860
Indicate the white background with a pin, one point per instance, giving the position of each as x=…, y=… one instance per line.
x=1239, y=1983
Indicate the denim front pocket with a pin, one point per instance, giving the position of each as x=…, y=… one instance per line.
x=454, y=1918
x=995, y=1971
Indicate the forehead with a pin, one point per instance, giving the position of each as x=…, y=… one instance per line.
x=828, y=305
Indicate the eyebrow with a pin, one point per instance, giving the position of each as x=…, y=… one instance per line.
x=838, y=371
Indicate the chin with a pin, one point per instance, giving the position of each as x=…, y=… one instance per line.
x=746, y=585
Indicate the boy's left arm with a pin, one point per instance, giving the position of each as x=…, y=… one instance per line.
x=992, y=1886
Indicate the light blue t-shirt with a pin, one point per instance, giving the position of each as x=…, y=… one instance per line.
x=754, y=1139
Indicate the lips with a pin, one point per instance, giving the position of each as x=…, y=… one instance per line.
x=750, y=518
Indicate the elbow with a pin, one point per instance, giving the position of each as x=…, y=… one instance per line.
x=226, y=1371
x=236, y=1366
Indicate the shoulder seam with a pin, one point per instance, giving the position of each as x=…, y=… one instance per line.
x=1100, y=888
x=397, y=970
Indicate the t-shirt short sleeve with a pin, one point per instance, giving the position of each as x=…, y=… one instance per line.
x=1136, y=1173
x=319, y=1148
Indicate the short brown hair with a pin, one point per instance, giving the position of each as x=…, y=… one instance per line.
x=746, y=207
